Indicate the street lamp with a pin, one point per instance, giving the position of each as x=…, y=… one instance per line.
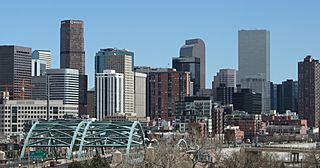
x=19, y=165
x=33, y=162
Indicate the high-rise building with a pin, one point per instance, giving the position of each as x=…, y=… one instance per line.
x=226, y=77
x=248, y=101
x=258, y=84
x=279, y=98
x=39, y=87
x=309, y=90
x=91, y=105
x=122, y=62
x=284, y=96
x=254, y=60
x=196, y=48
x=15, y=71
x=63, y=85
x=223, y=94
x=273, y=96
x=290, y=95
x=72, y=55
x=140, y=94
x=44, y=55
x=165, y=87
x=192, y=65
x=109, y=94
x=38, y=67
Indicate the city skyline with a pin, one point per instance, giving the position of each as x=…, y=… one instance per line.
x=144, y=36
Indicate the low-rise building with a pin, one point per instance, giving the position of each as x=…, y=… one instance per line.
x=233, y=134
x=251, y=124
x=14, y=114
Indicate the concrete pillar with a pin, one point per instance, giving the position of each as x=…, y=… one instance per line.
x=116, y=158
x=150, y=153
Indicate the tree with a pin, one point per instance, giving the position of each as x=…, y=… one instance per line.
x=246, y=160
x=96, y=162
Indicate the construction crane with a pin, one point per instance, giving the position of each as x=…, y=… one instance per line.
x=20, y=95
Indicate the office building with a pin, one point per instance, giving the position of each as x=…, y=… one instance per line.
x=254, y=62
x=309, y=90
x=39, y=87
x=273, y=96
x=44, y=56
x=91, y=105
x=225, y=77
x=63, y=85
x=223, y=94
x=195, y=48
x=122, y=62
x=38, y=67
x=109, y=94
x=248, y=101
x=258, y=84
x=204, y=93
x=14, y=114
x=165, y=88
x=289, y=96
x=15, y=71
x=72, y=56
x=140, y=94
x=192, y=65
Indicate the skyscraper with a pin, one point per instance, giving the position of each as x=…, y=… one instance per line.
x=309, y=90
x=247, y=100
x=192, y=65
x=227, y=77
x=258, y=84
x=38, y=67
x=63, y=85
x=44, y=55
x=290, y=95
x=72, y=55
x=196, y=48
x=166, y=86
x=254, y=61
x=109, y=94
x=15, y=71
x=122, y=62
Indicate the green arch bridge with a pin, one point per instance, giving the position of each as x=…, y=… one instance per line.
x=75, y=136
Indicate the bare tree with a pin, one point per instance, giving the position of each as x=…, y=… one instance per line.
x=246, y=160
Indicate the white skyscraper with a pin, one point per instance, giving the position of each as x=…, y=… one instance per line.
x=44, y=55
x=64, y=85
x=109, y=93
x=254, y=63
x=122, y=61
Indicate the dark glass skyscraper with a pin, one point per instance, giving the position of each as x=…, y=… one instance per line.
x=192, y=65
x=195, y=48
x=15, y=71
x=72, y=55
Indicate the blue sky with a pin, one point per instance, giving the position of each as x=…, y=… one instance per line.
x=155, y=30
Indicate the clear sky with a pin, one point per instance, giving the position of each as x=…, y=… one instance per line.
x=155, y=30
